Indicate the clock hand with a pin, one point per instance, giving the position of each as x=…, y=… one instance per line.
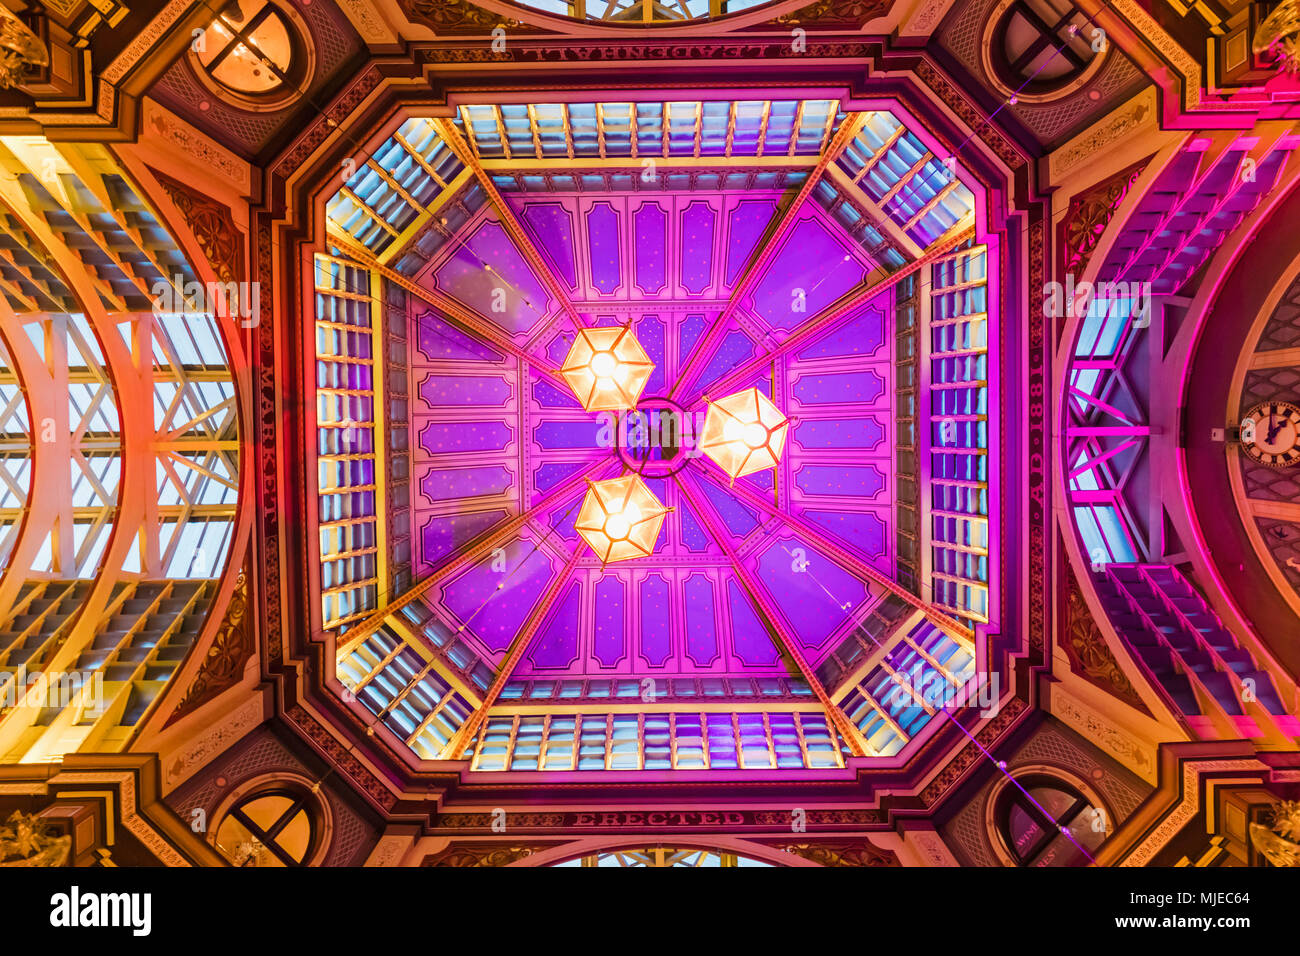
x=1274, y=426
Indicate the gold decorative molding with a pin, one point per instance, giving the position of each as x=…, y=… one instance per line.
x=1188, y=69
x=126, y=798
x=1133, y=753
x=369, y=22
x=198, y=149
x=925, y=18
x=1187, y=808
x=200, y=750
x=1137, y=114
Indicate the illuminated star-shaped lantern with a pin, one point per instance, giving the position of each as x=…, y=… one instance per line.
x=744, y=433
x=607, y=368
x=620, y=518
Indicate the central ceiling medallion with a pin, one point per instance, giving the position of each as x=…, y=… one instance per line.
x=607, y=368
x=744, y=433
x=620, y=519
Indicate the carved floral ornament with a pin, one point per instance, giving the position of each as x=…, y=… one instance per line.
x=25, y=840
x=1281, y=844
x=1279, y=36
x=20, y=48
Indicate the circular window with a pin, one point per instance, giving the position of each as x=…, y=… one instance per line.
x=1039, y=50
x=1046, y=820
x=279, y=822
x=254, y=54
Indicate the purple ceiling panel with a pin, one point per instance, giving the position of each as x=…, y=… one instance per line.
x=443, y=535
x=492, y=599
x=439, y=340
x=557, y=641
x=438, y=438
x=508, y=295
x=814, y=267
x=746, y=221
x=750, y=639
x=814, y=593
x=550, y=226
x=547, y=395
x=443, y=484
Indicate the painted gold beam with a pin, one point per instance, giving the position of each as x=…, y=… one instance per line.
x=463, y=558
x=857, y=744
x=768, y=247
x=879, y=219
x=514, y=228
x=455, y=748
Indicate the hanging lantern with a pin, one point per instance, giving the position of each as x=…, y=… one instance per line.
x=620, y=518
x=744, y=433
x=607, y=368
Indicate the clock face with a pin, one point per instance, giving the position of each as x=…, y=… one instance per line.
x=1270, y=434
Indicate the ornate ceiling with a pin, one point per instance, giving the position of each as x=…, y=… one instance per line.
x=320, y=545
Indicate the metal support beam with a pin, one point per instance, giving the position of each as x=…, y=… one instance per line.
x=767, y=248
x=455, y=748
x=509, y=221
x=832, y=314
x=465, y=557
x=789, y=644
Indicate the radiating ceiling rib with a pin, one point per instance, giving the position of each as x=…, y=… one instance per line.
x=456, y=746
x=480, y=326
x=929, y=206
x=788, y=642
x=880, y=154
x=467, y=556
x=767, y=248
x=881, y=221
x=509, y=220
x=832, y=314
